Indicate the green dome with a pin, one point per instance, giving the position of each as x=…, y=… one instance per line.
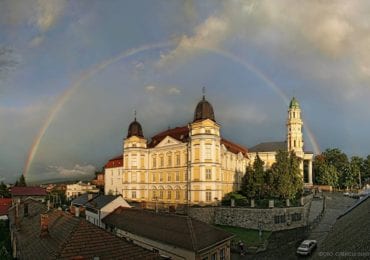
x=294, y=103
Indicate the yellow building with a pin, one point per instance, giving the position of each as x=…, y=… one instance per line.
x=191, y=164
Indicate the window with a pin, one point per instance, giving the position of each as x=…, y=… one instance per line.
x=134, y=160
x=169, y=160
x=162, y=161
x=177, y=176
x=208, y=174
x=208, y=196
x=296, y=216
x=154, y=162
x=177, y=159
x=169, y=194
x=161, y=194
x=169, y=177
x=208, y=131
x=279, y=219
x=25, y=210
x=177, y=194
x=214, y=256
x=133, y=194
x=222, y=254
x=161, y=177
x=208, y=152
x=153, y=177
x=133, y=177
x=154, y=194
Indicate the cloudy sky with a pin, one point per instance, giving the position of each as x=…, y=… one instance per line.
x=73, y=72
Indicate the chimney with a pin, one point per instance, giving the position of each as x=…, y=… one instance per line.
x=77, y=211
x=44, y=225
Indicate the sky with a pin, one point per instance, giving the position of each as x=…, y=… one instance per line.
x=72, y=73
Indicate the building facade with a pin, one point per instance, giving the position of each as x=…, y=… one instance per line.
x=79, y=188
x=191, y=164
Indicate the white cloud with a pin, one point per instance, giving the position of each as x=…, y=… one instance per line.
x=209, y=34
x=76, y=171
x=36, y=41
x=174, y=91
x=47, y=13
x=150, y=88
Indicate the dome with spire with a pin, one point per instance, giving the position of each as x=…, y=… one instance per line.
x=204, y=110
x=135, y=129
x=294, y=103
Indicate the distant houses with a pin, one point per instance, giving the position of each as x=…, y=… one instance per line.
x=79, y=188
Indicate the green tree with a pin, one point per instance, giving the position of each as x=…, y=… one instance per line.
x=339, y=160
x=366, y=169
x=21, y=182
x=325, y=173
x=258, y=176
x=287, y=175
x=4, y=191
x=354, y=176
x=247, y=187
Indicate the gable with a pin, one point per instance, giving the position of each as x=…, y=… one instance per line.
x=168, y=141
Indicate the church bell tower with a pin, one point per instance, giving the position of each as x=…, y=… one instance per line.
x=294, y=128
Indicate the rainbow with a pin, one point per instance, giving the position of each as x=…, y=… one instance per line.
x=68, y=93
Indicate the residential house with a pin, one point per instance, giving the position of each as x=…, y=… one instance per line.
x=79, y=188
x=54, y=234
x=22, y=193
x=5, y=204
x=78, y=204
x=100, y=206
x=173, y=236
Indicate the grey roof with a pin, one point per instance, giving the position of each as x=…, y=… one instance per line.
x=351, y=231
x=269, y=147
x=83, y=199
x=176, y=230
x=100, y=201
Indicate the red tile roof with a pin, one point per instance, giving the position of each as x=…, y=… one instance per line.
x=115, y=162
x=69, y=238
x=178, y=133
x=181, y=134
x=234, y=148
x=5, y=204
x=28, y=191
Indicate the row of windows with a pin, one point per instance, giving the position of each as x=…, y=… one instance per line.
x=282, y=219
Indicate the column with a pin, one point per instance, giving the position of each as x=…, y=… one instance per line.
x=310, y=172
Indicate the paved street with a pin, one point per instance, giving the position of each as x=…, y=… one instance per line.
x=336, y=203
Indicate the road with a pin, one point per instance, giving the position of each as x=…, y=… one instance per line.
x=336, y=203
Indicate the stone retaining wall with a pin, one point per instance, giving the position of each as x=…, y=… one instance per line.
x=273, y=219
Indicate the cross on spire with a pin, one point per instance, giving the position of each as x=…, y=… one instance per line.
x=135, y=114
x=204, y=92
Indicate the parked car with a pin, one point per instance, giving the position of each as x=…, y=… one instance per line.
x=346, y=193
x=306, y=247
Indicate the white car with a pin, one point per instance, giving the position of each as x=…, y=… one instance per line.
x=306, y=247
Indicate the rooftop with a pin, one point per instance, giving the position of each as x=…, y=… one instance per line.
x=5, y=204
x=28, y=191
x=269, y=147
x=70, y=237
x=100, y=201
x=351, y=231
x=176, y=230
x=83, y=199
